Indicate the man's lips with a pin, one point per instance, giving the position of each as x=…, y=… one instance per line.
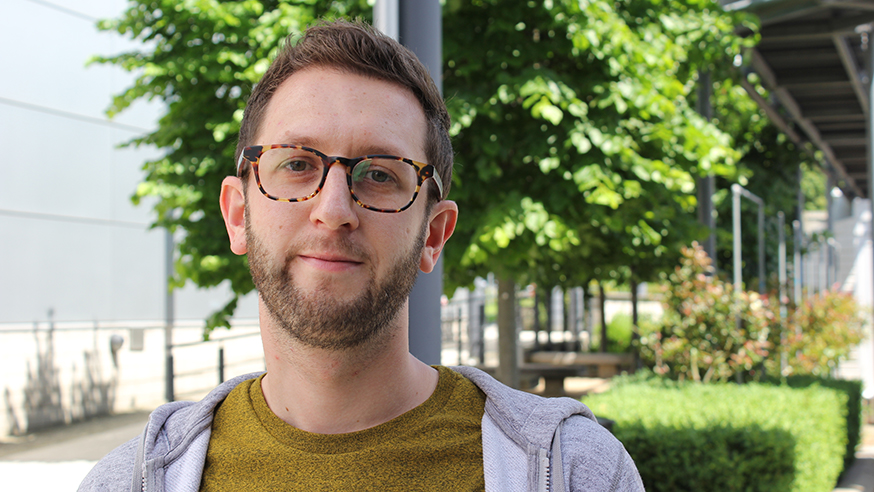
x=329, y=262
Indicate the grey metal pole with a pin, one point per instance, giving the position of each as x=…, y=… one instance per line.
x=830, y=226
x=169, y=315
x=781, y=259
x=761, y=221
x=706, y=184
x=869, y=64
x=737, y=191
x=797, y=277
x=386, y=18
x=735, y=233
x=420, y=29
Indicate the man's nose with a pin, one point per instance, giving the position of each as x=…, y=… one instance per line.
x=334, y=206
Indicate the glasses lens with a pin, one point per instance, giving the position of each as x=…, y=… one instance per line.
x=290, y=173
x=384, y=183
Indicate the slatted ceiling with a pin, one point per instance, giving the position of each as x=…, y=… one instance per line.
x=811, y=58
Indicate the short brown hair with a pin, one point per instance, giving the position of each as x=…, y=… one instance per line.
x=357, y=48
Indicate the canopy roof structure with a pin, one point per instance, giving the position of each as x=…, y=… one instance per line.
x=813, y=59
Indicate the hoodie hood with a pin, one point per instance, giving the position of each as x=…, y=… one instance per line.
x=527, y=419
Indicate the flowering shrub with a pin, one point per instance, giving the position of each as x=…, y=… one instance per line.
x=818, y=334
x=700, y=337
x=709, y=331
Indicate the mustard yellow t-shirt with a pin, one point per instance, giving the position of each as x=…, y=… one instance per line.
x=435, y=446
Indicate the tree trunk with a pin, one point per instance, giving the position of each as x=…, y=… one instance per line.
x=602, y=301
x=536, y=318
x=508, y=337
x=547, y=301
x=635, y=328
x=588, y=321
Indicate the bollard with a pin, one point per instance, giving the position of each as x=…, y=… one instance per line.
x=221, y=365
x=168, y=379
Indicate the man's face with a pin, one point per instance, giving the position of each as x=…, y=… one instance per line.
x=330, y=273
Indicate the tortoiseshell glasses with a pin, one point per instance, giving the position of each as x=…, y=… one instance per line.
x=294, y=173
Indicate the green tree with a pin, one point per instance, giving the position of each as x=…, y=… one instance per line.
x=577, y=150
x=577, y=147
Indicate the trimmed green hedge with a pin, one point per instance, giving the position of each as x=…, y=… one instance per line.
x=852, y=412
x=752, y=437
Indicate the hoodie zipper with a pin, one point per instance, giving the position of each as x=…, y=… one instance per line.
x=545, y=483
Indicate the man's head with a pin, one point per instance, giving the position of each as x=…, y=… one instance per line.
x=330, y=273
x=356, y=48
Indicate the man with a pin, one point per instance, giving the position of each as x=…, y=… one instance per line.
x=334, y=246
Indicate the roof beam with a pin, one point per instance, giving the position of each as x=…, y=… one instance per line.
x=849, y=4
x=788, y=102
x=762, y=68
x=833, y=111
x=774, y=115
x=853, y=72
x=847, y=141
x=817, y=30
x=809, y=128
x=832, y=86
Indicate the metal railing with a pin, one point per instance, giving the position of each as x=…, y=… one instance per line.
x=220, y=368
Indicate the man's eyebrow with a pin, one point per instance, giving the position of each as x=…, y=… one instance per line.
x=365, y=149
x=380, y=149
x=290, y=139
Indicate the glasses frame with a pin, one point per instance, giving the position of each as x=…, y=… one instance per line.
x=253, y=154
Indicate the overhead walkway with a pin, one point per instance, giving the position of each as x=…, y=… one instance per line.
x=813, y=58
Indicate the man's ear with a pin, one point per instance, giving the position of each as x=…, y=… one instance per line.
x=233, y=205
x=441, y=224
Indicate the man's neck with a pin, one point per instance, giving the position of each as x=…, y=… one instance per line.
x=341, y=391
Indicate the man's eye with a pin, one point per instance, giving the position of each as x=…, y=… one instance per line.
x=378, y=176
x=297, y=165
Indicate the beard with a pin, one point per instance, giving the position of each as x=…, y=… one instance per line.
x=320, y=320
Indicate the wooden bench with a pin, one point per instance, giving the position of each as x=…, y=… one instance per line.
x=554, y=367
x=606, y=364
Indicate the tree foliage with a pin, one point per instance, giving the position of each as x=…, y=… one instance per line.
x=578, y=146
x=577, y=149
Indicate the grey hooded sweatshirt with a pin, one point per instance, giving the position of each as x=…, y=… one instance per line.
x=530, y=443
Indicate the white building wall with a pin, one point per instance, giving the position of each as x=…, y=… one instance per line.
x=71, y=242
x=856, y=267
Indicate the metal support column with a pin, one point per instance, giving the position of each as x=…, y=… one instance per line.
x=782, y=278
x=419, y=28
x=830, y=279
x=869, y=63
x=761, y=229
x=736, y=237
x=706, y=183
x=737, y=191
x=169, y=315
x=869, y=134
x=797, y=266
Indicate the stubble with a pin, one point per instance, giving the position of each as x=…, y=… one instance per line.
x=316, y=318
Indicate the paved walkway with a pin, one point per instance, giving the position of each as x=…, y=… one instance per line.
x=58, y=459
x=860, y=477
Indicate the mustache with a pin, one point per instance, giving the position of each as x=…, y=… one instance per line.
x=338, y=245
